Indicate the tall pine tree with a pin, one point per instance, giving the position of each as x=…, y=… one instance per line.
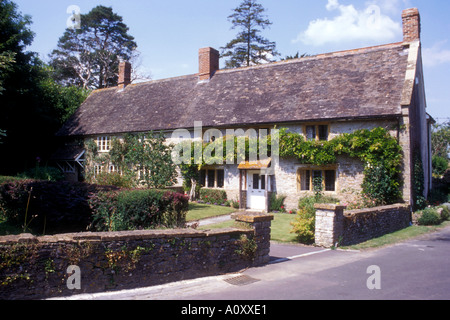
x=89, y=57
x=249, y=47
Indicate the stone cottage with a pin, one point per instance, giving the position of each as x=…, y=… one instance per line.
x=320, y=97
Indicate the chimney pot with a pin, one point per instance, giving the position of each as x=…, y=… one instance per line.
x=411, y=25
x=124, y=74
x=208, y=63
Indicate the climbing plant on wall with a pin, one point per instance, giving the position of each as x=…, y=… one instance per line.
x=380, y=152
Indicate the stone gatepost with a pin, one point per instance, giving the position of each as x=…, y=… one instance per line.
x=329, y=224
x=261, y=225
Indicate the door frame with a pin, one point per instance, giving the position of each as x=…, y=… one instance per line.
x=264, y=192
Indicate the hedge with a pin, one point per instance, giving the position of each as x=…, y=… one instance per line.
x=213, y=196
x=61, y=207
x=49, y=207
x=137, y=210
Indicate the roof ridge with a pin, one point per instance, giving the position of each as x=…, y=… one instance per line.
x=333, y=54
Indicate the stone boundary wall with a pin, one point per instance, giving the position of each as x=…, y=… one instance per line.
x=336, y=226
x=37, y=267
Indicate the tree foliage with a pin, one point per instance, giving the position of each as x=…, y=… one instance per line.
x=249, y=47
x=33, y=107
x=143, y=158
x=89, y=57
x=440, y=140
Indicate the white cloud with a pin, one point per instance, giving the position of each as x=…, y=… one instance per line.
x=368, y=25
x=436, y=55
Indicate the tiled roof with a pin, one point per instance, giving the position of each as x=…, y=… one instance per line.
x=362, y=83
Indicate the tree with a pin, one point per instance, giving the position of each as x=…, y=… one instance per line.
x=296, y=56
x=89, y=57
x=440, y=140
x=6, y=62
x=249, y=47
x=146, y=158
x=33, y=107
x=64, y=101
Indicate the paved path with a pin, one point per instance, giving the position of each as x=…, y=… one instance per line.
x=209, y=221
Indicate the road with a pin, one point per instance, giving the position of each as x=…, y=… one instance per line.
x=413, y=270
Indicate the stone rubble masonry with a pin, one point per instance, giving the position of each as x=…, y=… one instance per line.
x=36, y=267
x=334, y=226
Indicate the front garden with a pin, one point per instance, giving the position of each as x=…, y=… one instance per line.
x=51, y=207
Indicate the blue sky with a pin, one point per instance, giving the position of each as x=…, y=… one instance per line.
x=169, y=33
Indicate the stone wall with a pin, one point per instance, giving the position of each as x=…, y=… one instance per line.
x=37, y=267
x=336, y=226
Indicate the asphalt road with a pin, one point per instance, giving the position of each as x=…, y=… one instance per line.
x=413, y=270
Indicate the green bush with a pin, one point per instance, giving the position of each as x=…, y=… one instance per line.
x=440, y=164
x=114, y=179
x=304, y=224
x=277, y=203
x=430, y=217
x=213, y=196
x=138, y=210
x=55, y=207
x=43, y=173
x=445, y=214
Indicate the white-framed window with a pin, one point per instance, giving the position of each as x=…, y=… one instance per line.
x=103, y=143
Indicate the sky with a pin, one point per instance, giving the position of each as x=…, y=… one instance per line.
x=169, y=33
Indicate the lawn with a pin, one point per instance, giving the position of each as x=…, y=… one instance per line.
x=199, y=211
x=399, y=236
x=280, y=229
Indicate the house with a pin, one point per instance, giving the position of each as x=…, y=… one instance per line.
x=320, y=97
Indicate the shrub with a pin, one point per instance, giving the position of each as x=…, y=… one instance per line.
x=43, y=173
x=137, y=210
x=445, y=213
x=114, y=179
x=304, y=224
x=277, y=202
x=213, y=196
x=440, y=164
x=429, y=217
x=53, y=206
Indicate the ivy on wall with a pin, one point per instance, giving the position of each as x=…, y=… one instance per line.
x=380, y=152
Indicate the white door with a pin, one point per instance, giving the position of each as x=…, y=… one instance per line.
x=256, y=190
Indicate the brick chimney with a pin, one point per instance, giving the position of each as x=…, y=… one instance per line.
x=124, y=74
x=208, y=63
x=411, y=25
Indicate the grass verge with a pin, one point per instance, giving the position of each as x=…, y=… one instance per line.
x=399, y=236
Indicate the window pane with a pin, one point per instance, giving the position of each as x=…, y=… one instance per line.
x=256, y=181
x=330, y=180
x=203, y=178
x=220, y=178
x=323, y=133
x=263, y=182
x=317, y=179
x=305, y=180
x=211, y=178
x=310, y=132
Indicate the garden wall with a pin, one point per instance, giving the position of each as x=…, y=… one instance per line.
x=37, y=267
x=334, y=225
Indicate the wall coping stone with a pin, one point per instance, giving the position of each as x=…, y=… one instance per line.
x=120, y=235
x=376, y=209
x=254, y=217
x=329, y=206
